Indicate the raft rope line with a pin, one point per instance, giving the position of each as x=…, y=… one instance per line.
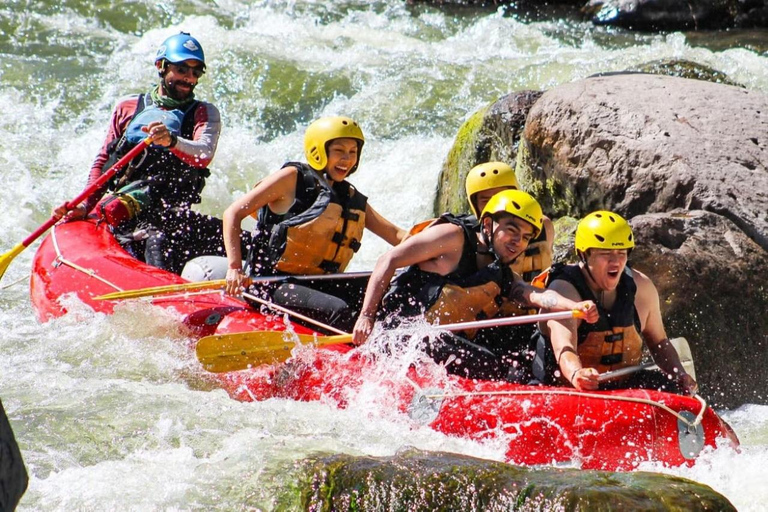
x=60, y=260
x=19, y=280
x=289, y=312
x=645, y=401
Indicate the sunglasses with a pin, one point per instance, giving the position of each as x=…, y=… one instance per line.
x=183, y=69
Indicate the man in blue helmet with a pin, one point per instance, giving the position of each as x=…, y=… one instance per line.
x=149, y=205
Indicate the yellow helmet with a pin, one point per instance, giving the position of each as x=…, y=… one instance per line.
x=323, y=131
x=518, y=203
x=603, y=230
x=487, y=176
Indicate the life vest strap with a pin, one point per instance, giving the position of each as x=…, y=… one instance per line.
x=613, y=338
x=329, y=267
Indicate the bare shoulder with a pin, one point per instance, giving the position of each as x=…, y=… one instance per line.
x=565, y=289
x=642, y=281
x=443, y=232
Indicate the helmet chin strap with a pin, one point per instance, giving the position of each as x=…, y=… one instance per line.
x=583, y=259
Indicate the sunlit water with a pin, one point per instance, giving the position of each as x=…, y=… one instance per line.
x=113, y=413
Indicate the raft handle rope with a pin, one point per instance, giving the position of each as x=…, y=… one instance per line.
x=19, y=280
x=683, y=419
x=60, y=260
x=289, y=312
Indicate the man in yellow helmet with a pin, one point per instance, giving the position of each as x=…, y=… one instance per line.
x=456, y=273
x=483, y=182
x=310, y=220
x=574, y=352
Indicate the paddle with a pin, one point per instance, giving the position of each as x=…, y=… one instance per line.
x=230, y=352
x=220, y=283
x=683, y=350
x=6, y=258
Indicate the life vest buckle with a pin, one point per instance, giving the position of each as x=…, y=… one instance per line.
x=329, y=267
x=611, y=359
x=349, y=215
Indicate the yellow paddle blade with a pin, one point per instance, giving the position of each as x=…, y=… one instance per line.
x=6, y=258
x=231, y=352
x=158, y=290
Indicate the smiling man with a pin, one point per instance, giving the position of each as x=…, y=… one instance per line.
x=458, y=272
x=149, y=208
x=572, y=351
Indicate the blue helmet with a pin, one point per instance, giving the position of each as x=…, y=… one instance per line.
x=179, y=48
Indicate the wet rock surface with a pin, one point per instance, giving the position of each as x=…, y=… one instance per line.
x=414, y=480
x=491, y=134
x=641, y=15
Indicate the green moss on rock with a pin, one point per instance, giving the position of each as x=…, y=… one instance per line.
x=415, y=481
x=685, y=69
x=461, y=158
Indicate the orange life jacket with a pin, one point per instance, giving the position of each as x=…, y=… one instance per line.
x=319, y=234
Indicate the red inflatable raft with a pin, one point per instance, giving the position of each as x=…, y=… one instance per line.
x=614, y=430
x=607, y=430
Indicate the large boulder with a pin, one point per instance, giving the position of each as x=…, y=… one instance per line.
x=414, y=480
x=647, y=15
x=644, y=144
x=713, y=285
x=13, y=474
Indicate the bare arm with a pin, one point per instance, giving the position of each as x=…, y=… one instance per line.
x=379, y=225
x=528, y=295
x=441, y=241
x=278, y=191
x=655, y=336
x=563, y=334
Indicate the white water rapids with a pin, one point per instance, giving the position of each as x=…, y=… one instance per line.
x=113, y=412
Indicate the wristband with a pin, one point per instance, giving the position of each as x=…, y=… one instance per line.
x=574, y=374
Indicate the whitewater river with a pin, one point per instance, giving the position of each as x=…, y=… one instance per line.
x=113, y=413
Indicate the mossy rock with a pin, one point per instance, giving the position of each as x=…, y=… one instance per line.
x=415, y=481
x=565, y=234
x=685, y=69
x=461, y=158
x=490, y=134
